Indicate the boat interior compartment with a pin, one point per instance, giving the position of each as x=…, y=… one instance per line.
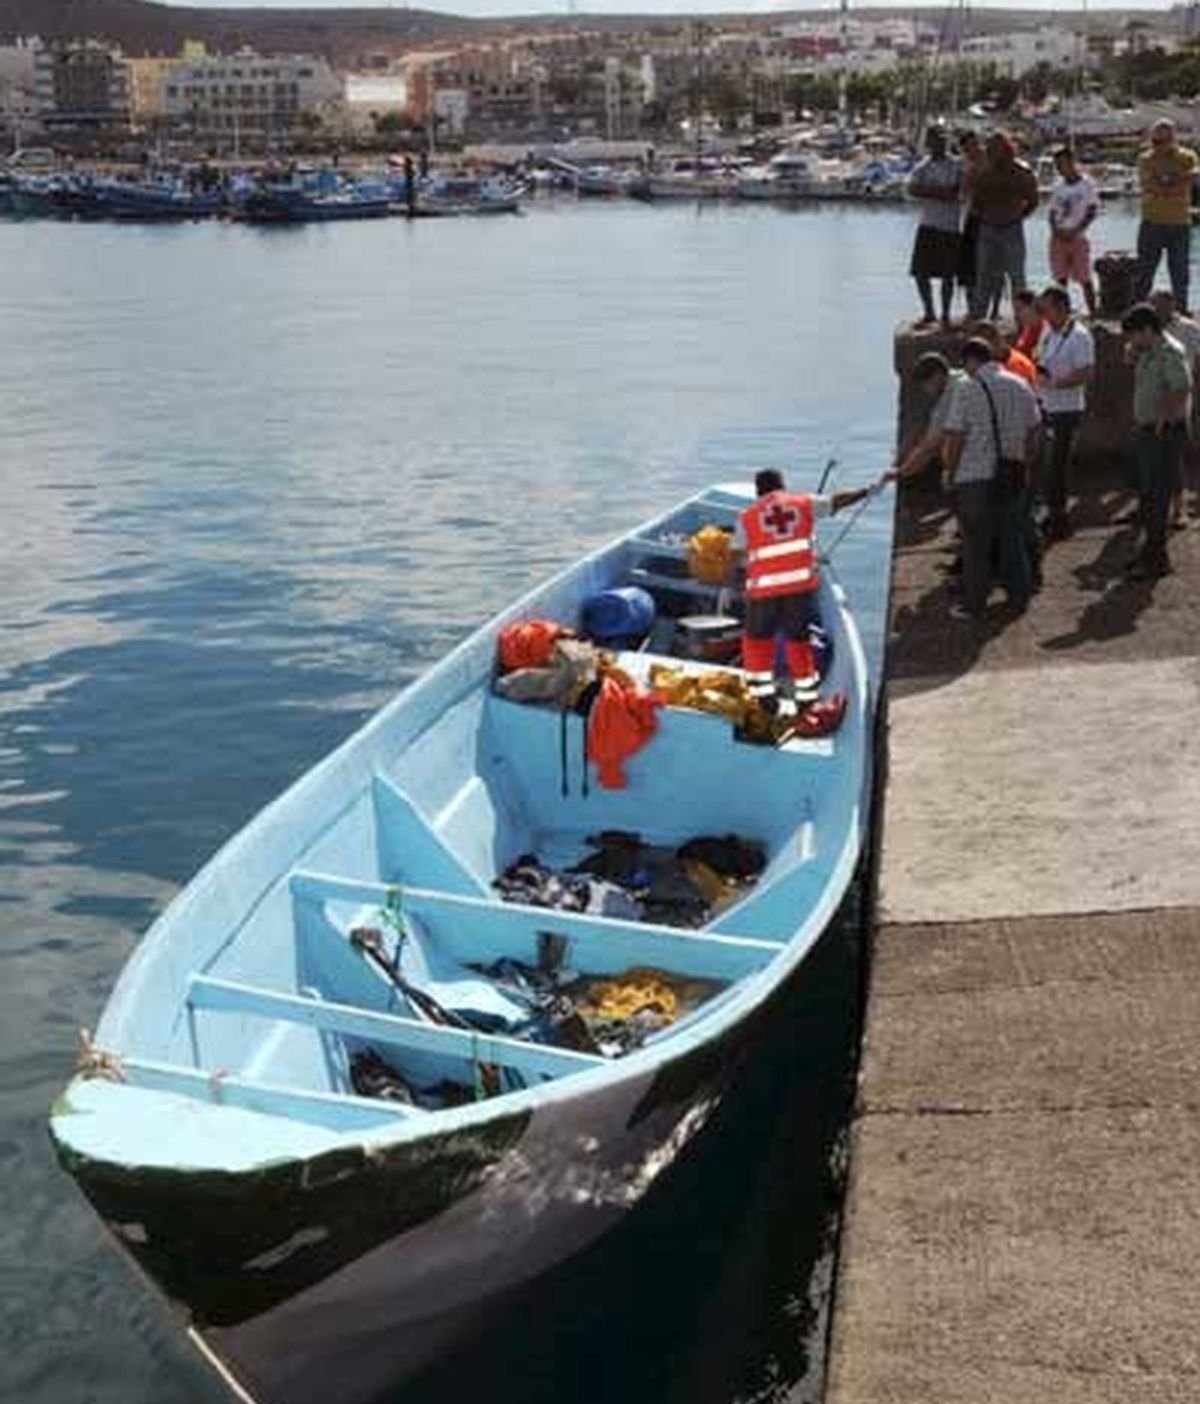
x=371, y=963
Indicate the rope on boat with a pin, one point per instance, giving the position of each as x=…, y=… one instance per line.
x=91, y=1061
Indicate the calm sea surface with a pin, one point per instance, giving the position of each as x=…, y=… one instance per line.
x=253, y=482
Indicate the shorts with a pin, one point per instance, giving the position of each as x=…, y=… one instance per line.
x=790, y=615
x=937, y=253
x=968, y=244
x=1071, y=259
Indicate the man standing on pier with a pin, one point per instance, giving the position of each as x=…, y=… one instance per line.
x=1066, y=361
x=1186, y=331
x=1166, y=171
x=1074, y=205
x=1162, y=395
x=1003, y=196
x=990, y=441
x=936, y=186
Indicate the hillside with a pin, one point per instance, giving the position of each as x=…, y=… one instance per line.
x=348, y=36
x=142, y=28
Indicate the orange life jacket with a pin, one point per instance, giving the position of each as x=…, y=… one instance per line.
x=781, y=557
x=529, y=644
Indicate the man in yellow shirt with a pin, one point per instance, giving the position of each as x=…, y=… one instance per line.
x=1166, y=171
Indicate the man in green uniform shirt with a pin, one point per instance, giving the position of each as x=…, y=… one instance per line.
x=1166, y=171
x=1162, y=394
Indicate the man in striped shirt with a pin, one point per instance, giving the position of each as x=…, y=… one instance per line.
x=990, y=442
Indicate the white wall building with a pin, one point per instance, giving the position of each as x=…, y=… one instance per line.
x=246, y=95
x=1020, y=51
x=370, y=96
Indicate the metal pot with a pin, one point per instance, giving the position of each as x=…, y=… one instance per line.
x=708, y=638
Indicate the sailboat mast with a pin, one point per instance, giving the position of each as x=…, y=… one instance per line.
x=959, y=34
x=844, y=42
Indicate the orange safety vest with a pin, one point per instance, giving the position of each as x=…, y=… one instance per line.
x=781, y=556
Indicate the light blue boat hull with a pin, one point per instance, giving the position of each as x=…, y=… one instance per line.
x=325, y=1245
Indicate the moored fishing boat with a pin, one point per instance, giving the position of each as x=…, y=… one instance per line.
x=788, y=175
x=153, y=201
x=295, y=205
x=602, y=180
x=687, y=179
x=54, y=196
x=447, y=193
x=327, y=1233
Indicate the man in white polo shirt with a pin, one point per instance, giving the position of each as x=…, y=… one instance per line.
x=1066, y=361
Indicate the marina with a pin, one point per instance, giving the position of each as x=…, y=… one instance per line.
x=530, y=867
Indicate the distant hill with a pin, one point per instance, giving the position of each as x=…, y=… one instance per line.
x=140, y=27
x=348, y=36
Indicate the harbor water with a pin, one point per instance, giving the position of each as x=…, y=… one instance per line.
x=255, y=481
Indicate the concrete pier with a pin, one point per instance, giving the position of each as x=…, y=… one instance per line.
x=1023, y=1215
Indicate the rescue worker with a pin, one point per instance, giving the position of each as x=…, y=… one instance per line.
x=776, y=538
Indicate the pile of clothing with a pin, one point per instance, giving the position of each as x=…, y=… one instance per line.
x=624, y=876
x=609, y=1016
x=371, y=1075
x=728, y=695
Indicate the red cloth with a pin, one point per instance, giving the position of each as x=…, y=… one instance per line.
x=823, y=716
x=620, y=723
x=529, y=644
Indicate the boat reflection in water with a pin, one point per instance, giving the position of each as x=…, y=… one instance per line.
x=326, y=1244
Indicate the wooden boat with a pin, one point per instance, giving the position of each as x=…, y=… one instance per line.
x=324, y=1244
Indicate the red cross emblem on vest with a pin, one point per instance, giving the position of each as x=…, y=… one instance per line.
x=781, y=521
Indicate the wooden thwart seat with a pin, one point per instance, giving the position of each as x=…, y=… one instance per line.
x=473, y=931
x=684, y=585
x=541, y=1060
x=338, y=1111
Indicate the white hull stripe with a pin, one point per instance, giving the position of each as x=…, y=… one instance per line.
x=780, y=577
x=781, y=548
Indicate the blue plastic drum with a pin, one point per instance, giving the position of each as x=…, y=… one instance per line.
x=626, y=612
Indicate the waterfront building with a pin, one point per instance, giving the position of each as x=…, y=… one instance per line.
x=147, y=85
x=1019, y=52
x=20, y=108
x=82, y=86
x=372, y=97
x=248, y=98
